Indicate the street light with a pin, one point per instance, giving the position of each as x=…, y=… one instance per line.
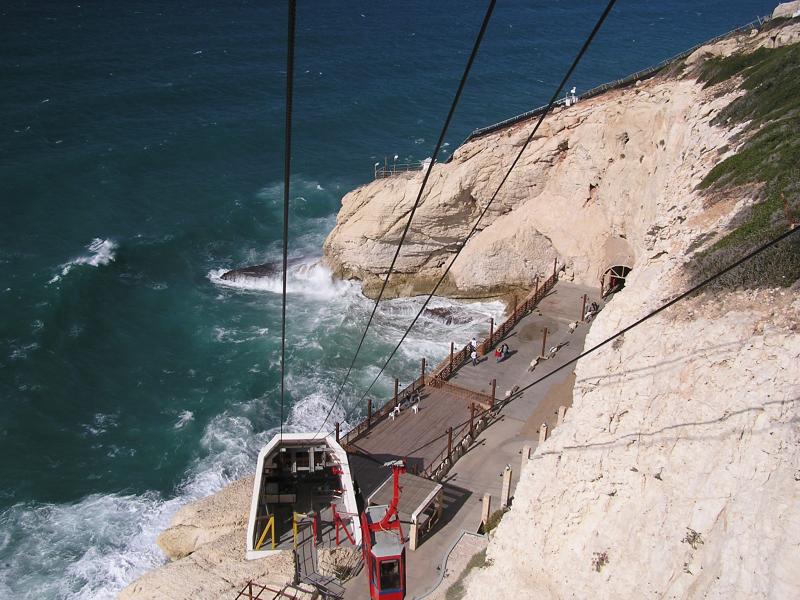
x=394, y=165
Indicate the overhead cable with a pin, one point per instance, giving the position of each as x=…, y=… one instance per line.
x=437, y=149
x=287, y=171
x=553, y=99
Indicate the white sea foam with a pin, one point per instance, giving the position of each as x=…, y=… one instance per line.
x=309, y=278
x=101, y=252
x=100, y=424
x=20, y=352
x=236, y=336
x=185, y=417
x=105, y=541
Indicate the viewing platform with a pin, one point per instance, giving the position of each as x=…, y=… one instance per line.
x=465, y=432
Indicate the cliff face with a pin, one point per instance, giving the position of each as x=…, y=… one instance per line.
x=677, y=471
x=599, y=183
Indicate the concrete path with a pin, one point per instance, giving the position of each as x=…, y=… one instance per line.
x=556, y=310
x=479, y=471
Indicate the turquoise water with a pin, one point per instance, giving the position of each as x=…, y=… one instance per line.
x=141, y=155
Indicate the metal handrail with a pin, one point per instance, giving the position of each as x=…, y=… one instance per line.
x=388, y=170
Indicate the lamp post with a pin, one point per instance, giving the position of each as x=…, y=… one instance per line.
x=377, y=164
x=394, y=164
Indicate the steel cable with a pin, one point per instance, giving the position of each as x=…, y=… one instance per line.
x=555, y=96
x=287, y=170
x=437, y=149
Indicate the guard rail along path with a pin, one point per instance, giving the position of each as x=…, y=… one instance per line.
x=483, y=406
x=387, y=170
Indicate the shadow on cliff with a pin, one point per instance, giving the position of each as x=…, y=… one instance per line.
x=715, y=353
x=652, y=436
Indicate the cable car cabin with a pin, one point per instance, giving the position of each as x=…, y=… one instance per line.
x=298, y=475
x=384, y=556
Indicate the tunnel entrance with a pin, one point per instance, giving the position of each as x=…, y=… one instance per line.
x=613, y=280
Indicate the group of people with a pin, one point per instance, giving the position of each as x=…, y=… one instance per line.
x=500, y=353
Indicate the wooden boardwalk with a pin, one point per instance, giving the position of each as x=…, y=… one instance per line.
x=426, y=439
x=431, y=439
x=419, y=438
x=556, y=310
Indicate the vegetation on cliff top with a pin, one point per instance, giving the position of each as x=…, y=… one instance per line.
x=769, y=156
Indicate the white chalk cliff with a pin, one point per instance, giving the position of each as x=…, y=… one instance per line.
x=600, y=182
x=677, y=471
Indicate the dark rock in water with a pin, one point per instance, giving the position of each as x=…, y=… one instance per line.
x=265, y=270
x=256, y=271
x=447, y=315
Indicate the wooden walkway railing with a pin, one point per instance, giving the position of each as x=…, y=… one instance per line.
x=483, y=400
x=456, y=360
x=256, y=591
x=459, y=439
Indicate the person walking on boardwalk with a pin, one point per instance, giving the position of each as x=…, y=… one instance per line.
x=473, y=344
x=474, y=357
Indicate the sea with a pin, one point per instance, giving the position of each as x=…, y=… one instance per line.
x=141, y=156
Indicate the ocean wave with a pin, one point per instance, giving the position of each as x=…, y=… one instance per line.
x=235, y=336
x=105, y=541
x=101, y=253
x=20, y=352
x=92, y=562
x=100, y=424
x=314, y=394
x=309, y=278
x=185, y=417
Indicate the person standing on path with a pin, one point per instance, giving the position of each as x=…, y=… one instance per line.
x=473, y=343
x=474, y=357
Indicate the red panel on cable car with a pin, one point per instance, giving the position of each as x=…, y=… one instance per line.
x=384, y=550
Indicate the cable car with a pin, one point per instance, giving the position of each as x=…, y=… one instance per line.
x=384, y=545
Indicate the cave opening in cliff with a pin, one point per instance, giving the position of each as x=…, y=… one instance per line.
x=613, y=280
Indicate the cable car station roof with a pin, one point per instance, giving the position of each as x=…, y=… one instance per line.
x=417, y=493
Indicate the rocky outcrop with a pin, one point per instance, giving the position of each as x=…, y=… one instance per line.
x=208, y=519
x=267, y=270
x=786, y=10
x=205, y=543
x=609, y=168
x=216, y=569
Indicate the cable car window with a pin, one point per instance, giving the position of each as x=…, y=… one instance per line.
x=390, y=575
